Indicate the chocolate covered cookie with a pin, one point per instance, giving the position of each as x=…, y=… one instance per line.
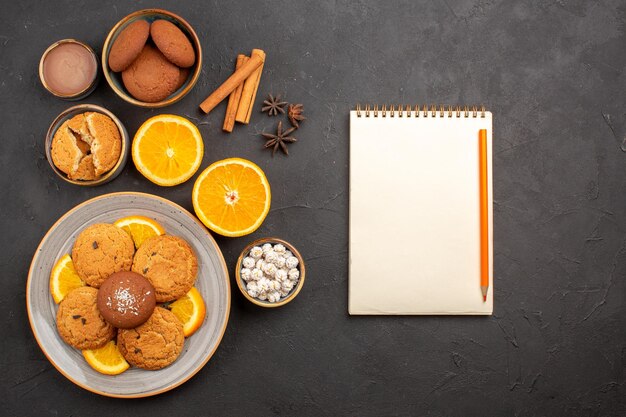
x=126, y=299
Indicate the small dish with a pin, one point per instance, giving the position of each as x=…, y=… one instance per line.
x=294, y=292
x=68, y=69
x=115, y=79
x=68, y=114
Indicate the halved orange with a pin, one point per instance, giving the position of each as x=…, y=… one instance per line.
x=190, y=310
x=140, y=228
x=167, y=149
x=232, y=197
x=107, y=359
x=64, y=278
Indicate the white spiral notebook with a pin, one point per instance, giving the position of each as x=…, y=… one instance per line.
x=414, y=211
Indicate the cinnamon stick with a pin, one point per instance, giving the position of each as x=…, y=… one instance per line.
x=250, y=88
x=231, y=83
x=234, y=98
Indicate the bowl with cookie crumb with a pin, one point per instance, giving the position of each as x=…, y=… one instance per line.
x=87, y=145
x=152, y=58
x=270, y=272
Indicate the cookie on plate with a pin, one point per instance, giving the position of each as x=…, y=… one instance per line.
x=173, y=43
x=151, y=77
x=126, y=299
x=128, y=45
x=155, y=344
x=169, y=263
x=79, y=321
x=100, y=250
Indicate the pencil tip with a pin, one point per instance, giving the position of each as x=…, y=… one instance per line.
x=484, y=298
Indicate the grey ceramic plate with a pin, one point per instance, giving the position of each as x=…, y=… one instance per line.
x=212, y=282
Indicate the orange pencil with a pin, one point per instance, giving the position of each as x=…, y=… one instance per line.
x=484, y=212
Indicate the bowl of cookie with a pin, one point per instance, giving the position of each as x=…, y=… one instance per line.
x=152, y=58
x=87, y=145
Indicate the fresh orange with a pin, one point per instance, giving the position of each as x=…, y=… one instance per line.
x=167, y=149
x=64, y=278
x=190, y=310
x=140, y=228
x=232, y=197
x=107, y=359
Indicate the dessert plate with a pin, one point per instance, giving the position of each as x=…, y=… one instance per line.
x=212, y=282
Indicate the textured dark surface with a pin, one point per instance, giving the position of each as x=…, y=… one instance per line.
x=553, y=73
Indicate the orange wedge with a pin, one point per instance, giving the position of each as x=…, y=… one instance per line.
x=107, y=359
x=190, y=310
x=232, y=197
x=140, y=228
x=64, y=279
x=167, y=149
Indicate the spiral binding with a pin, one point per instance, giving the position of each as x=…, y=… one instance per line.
x=426, y=111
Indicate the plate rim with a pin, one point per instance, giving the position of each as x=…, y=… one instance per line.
x=36, y=256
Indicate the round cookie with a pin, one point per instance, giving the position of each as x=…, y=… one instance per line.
x=100, y=250
x=173, y=43
x=79, y=322
x=126, y=299
x=170, y=265
x=151, y=77
x=155, y=344
x=106, y=141
x=65, y=152
x=128, y=45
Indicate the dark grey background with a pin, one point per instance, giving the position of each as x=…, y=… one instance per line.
x=553, y=73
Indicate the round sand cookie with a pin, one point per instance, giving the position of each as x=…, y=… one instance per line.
x=100, y=250
x=170, y=265
x=65, y=152
x=128, y=45
x=173, y=43
x=106, y=141
x=79, y=321
x=151, y=77
x=155, y=344
x=126, y=299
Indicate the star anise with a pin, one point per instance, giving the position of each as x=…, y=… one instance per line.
x=273, y=105
x=280, y=139
x=295, y=114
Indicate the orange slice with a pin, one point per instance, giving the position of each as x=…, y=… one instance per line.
x=232, y=197
x=107, y=359
x=190, y=310
x=167, y=149
x=64, y=279
x=140, y=228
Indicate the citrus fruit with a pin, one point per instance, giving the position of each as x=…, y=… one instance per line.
x=107, y=359
x=167, y=149
x=140, y=228
x=190, y=311
x=64, y=278
x=232, y=197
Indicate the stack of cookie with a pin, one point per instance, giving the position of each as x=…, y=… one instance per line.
x=86, y=146
x=154, y=59
x=118, y=302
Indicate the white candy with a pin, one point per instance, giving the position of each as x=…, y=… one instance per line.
x=248, y=262
x=280, y=262
x=287, y=254
x=278, y=248
x=252, y=285
x=294, y=274
x=256, y=274
x=256, y=252
x=284, y=293
x=253, y=293
x=281, y=275
x=264, y=284
x=246, y=274
x=288, y=285
x=271, y=257
x=267, y=247
x=291, y=262
x=275, y=285
x=273, y=296
x=262, y=296
x=259, y=264
x=269, y=269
